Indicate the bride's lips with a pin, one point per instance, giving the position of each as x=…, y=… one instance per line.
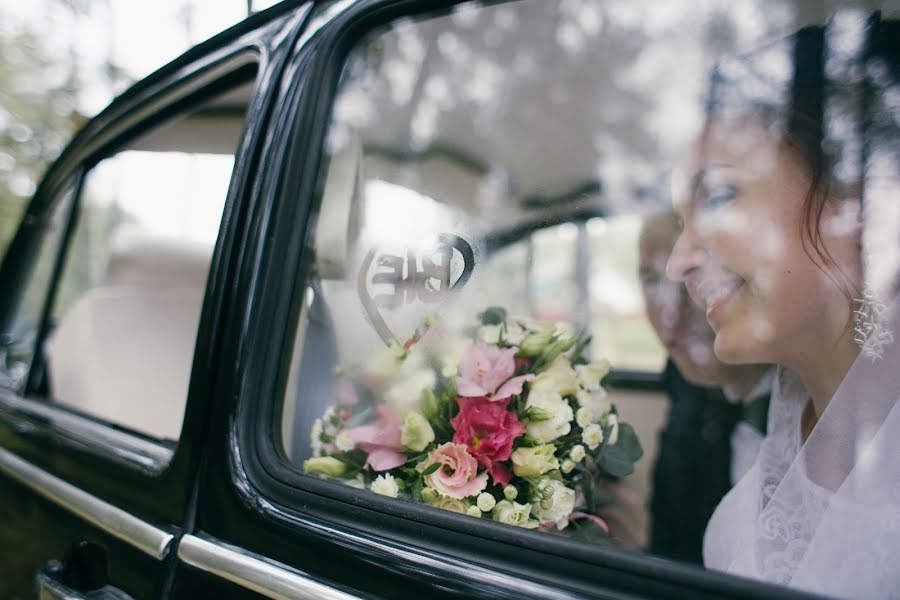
x=716, y=294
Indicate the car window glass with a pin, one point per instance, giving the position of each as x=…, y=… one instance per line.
x=507, y=244
x=124, y=321
x=17, y=349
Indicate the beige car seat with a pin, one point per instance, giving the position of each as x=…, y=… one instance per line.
x=123, y=351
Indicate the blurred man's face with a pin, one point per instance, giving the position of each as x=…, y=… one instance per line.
x=680, y=324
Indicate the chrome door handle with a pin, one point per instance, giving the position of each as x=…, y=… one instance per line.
x=50, y=588
x=83, y=575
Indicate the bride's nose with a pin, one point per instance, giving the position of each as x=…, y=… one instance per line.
x=687, y=256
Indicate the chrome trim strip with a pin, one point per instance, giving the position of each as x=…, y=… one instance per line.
x=114, y=521
x=149, y=455
x=262, y=576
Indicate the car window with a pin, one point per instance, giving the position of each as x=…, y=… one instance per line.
x=17, y=349
x=506, y=248
x=123, y=324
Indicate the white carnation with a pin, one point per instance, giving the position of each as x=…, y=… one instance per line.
x=560, y=507
x=473, y=511
x=315, y=437
x=583, y=417
x=592, y=436
x=385, y=485
x=577, y=453
x=343, y=442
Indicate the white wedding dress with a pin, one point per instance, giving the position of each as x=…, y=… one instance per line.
x=823, y=516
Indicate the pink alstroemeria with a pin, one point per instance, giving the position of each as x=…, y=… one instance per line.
x=485, y=371
x=380, y=440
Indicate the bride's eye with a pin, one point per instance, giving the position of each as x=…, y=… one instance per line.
x=719, y=195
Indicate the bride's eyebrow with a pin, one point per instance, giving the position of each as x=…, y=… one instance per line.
x=701, y=174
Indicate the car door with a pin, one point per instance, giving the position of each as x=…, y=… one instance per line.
x=113, y=290
x=424, y=155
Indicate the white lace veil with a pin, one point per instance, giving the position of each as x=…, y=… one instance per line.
x=823, y=517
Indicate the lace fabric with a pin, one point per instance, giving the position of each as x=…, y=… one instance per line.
x=823, y=516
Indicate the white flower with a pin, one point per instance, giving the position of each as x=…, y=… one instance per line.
x=595, y=404
x=558, y=377
x=589, y=375
x=577, y=453
x=556, y=416
x=533, y=461
x=592, y=436
x=416, y=433
x=583, y=417
x=429, y=495
x=385, y=485
x=510, y=492
x=515, y=333
x=328, y=421
x=452, y=504
x=560, y=507
x=513, y=513
x=343, y=442
x=405, y=394
x=473, y=511
x=384, y=364
x=489, y=334
x=567, y=466
x=315, y=437
x=613, y=421
x=486, y=502
x=534, y=343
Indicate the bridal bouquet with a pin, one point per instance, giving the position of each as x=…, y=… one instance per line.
x=510, y=423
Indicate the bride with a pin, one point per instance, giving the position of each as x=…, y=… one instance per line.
x=771, y=249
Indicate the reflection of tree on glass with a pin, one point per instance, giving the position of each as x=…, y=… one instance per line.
x=771, y=250
x=717, y=417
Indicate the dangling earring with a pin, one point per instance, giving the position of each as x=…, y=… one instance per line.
x=869, y=332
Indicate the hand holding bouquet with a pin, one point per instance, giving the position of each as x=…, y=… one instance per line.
x=512, y=424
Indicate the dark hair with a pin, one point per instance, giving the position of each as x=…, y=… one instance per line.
x=794, y=103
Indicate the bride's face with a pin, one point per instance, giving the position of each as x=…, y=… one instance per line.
x=740, y=252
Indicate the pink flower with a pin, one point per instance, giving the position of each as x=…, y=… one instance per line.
x=485, y=371
x=380, y=440
x=500, y=474
x=457, y=477
x=488, y=431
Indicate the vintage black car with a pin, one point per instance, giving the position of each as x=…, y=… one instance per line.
x=193, y=267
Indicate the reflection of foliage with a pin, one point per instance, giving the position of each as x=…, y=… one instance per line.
x=37, y=115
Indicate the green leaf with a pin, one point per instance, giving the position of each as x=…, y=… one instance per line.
x=583, y=341
x=493, y=315
x=616, y=462
x=431, y=469
x=628, y=441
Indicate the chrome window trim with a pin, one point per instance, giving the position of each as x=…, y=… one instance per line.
x=145, y=453
x=111, y=519
x=261, y=575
